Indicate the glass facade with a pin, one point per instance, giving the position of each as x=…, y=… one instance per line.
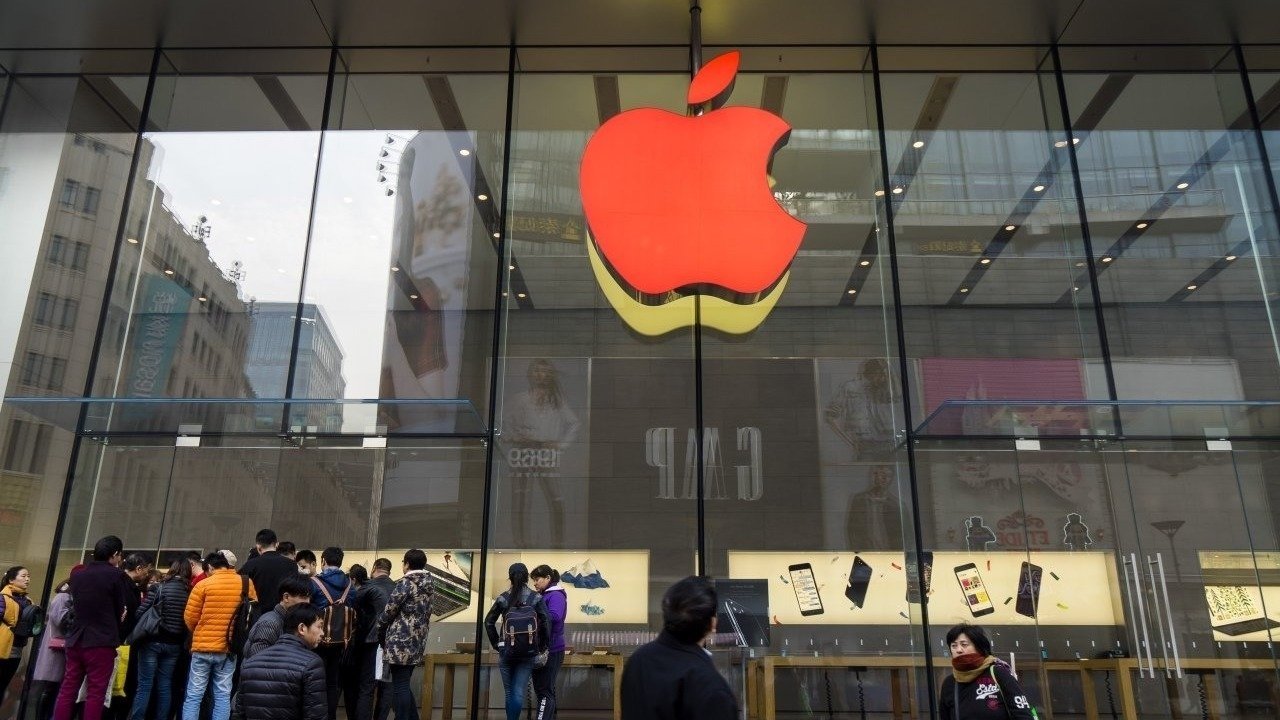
x=1023, y=370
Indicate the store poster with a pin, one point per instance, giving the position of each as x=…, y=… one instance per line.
x=1242, y=609
x=543, y=495
x=743, y=611
x=602, y=586
x=998, y=588
x=450, y=570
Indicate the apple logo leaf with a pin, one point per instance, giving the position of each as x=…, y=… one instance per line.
x=714, y=78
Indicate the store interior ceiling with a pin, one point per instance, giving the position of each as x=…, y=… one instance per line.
x=300, y=23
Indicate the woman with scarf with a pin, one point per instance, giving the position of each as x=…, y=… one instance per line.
x=13, y=600
x=981, y=686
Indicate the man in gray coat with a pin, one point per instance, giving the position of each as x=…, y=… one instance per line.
x=374, y=703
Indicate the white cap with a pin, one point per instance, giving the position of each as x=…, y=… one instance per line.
x=230, y=557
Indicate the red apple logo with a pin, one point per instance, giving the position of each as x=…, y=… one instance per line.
x=675, y=201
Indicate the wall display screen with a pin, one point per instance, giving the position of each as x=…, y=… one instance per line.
x=994, y=588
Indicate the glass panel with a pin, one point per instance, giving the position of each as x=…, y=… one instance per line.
x=205, y=299
x=399, y=215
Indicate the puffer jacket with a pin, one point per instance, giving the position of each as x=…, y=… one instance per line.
x=373, y=600
x=172, y=594
x=284, y=682
x=406, y=619
x=210, y=608
x=11, y=611
x=557, y=609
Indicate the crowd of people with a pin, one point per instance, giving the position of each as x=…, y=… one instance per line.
x=283, y=636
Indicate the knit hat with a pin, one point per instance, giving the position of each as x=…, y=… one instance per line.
x=229, y=556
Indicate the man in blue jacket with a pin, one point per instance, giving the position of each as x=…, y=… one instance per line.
x=331, y=587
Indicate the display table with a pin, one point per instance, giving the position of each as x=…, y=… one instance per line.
x=451, y=662
x=762, y=697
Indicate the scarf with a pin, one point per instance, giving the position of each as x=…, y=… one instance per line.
x=967, y=668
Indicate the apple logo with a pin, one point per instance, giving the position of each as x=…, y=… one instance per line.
x=684, y=201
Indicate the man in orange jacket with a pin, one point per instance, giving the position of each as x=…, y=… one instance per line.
x=210, y=609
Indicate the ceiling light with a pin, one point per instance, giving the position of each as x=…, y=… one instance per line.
x=1060, y=144
x=917, y=144
x=521, y=295
x=1229, y=258
x=1183, y=185
x=865, y=263
x=511, y=267
x=1010, y=228
x=413, y=296
x=1192, y=287
x=1038, y=188
x=504, y=293
x=1107, y=259
x=215, y=202
x=464, y=152
x=985, y=261
x=497, y=235
x=879, y=193
x=482, y=197
x=132, y=241
x=897, y=191
x=851, y=291
x=1075, y=141
x=395, y=268
x=964, y=290
x=1141, y=226
x=203, y=299
x=1075, y=289
x=168, y=271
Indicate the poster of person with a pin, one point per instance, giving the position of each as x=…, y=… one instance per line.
x=543, y=443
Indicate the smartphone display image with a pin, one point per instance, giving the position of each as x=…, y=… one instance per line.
x=925, y=562
x=859, y=581
x=975, y=591
x=1029, y=589
x=806, y=587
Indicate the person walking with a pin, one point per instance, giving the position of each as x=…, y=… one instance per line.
x=16, y=623
x=332, y=588
x=526, y=632
x=99, y=602
x=546, y=580
x=208, y=615
x=51, y=661
x=268, y=568
x=373, y=698
x=981, y=686
x=402, y=627
x=286, y=680
x=673, y=678
x=158, y=655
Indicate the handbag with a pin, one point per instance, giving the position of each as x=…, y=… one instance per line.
x=148, y=625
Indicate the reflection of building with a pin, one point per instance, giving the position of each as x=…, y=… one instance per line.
x=319, y=362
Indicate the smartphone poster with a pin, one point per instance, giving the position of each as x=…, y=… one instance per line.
x=859, y=582
x=806, y=589
x=743, y=610
x=1029, y=589
x=974, y=590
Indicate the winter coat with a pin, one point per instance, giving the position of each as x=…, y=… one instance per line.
x=557, y=607
x=503, y=603
x=284, y=682
x=406, y=618
x=51, y=663
x=265, y=632
x=373, y=599
x=985, y=698
x=12, y=609
x=670, y=680
x=335, y=582
x=100, y=597
x=172, y=594
x=267, y=571
x=210, y=608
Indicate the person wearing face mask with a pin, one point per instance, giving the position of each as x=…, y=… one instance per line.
x=981, y=686
x=306, y=562
x=15, y=608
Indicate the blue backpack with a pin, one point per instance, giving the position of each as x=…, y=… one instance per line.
x=520, y=630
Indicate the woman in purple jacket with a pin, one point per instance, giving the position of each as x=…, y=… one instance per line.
x=546, y=580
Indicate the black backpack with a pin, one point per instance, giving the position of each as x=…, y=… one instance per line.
x=30, y=621
x=520, y=630
x=241, y=620
x=338, y=617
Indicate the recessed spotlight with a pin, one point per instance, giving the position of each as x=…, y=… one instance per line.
x=504, y=293
x=1192, y=287
x=964, y=290
x=897, y=191
x=1141, y=226
x=511, y=267
x=1060, y=144
x=497, y=235
x=1107, y=258
x=521, y=295
x=1038, y=188
x=1075, y=289
x=917, y=144
x=168, y=271
x=1183, y=185
x=413, y=296
x=1079, y=264
x=865, y=263
x=464, y=152
x=1075, y=141
x=132, y=241
x=1010, y=228
x=879, y=193
x=203, y=299
x=985, y=261
x=482, y=197
x=395, y=268
x=851, y=291
x=1229, y=258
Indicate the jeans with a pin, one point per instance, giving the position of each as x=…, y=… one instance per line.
x=156, y=661
x=374, y=703
x=402, y=692
x=220, y=667
x=515, y=679
x=544, y=685
x=95, y=664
